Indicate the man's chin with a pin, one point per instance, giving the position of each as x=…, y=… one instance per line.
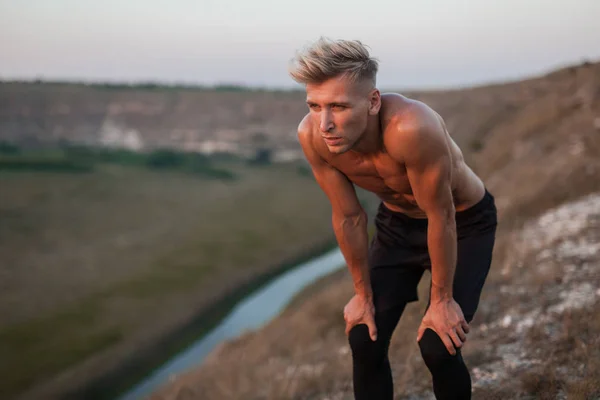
x=339, y=149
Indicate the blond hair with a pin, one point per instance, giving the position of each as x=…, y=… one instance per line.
x=327, y=58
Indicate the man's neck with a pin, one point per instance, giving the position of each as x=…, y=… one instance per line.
x=370, y=142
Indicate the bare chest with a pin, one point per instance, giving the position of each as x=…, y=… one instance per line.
x=382, y=175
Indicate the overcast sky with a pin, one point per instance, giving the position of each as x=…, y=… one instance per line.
x=420, y=44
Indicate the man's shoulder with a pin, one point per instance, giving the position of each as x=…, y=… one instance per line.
x=403, y=114
x=305, y=127
x=306, y=134
x=407, y=121
x=306, y=137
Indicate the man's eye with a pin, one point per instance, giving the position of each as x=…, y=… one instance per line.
x=339, y=107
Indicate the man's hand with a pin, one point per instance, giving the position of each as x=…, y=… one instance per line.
x=360, y=310
x=447, y=320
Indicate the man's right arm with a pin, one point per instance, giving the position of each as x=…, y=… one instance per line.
x=348, y=218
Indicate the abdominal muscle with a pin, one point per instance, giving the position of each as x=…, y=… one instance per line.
x=397, y=195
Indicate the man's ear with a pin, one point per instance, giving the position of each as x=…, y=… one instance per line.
x=374, y=102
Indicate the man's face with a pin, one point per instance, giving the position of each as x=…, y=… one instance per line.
x=341, y=109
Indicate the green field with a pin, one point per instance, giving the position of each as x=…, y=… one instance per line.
x=104, y=258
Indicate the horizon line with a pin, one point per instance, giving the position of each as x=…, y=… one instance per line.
x=157, y=84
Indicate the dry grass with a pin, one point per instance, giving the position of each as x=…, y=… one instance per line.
x=571, y=362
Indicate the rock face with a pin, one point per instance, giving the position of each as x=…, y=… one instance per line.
x=34, y=114
x=112, y=135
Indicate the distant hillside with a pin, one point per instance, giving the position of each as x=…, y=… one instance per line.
x=222, y=118
x=230, y=118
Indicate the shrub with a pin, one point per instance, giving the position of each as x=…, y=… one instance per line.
x=262, y=157
x=44, y=164
x=9, y=148
x=166, y=159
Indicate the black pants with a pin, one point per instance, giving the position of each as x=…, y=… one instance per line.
x=398, y=257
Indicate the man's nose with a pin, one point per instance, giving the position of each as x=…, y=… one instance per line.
x=326, y=122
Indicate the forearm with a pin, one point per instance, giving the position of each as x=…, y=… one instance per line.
x=441, y=240
x=351, y=234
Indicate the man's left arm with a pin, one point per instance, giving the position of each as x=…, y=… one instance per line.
x=428, y=162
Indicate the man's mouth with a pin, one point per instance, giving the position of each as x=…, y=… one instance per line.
x=332, y=140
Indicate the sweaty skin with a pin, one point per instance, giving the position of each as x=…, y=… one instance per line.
x=399, y=149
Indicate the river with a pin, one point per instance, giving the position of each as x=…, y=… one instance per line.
x=251, y=313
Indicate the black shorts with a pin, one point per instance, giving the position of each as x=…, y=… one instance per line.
x=398, y=255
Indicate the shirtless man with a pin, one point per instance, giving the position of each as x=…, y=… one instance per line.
x=435, y=213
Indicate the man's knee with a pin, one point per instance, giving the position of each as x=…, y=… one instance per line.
x=365, y=350
x=434, y=352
